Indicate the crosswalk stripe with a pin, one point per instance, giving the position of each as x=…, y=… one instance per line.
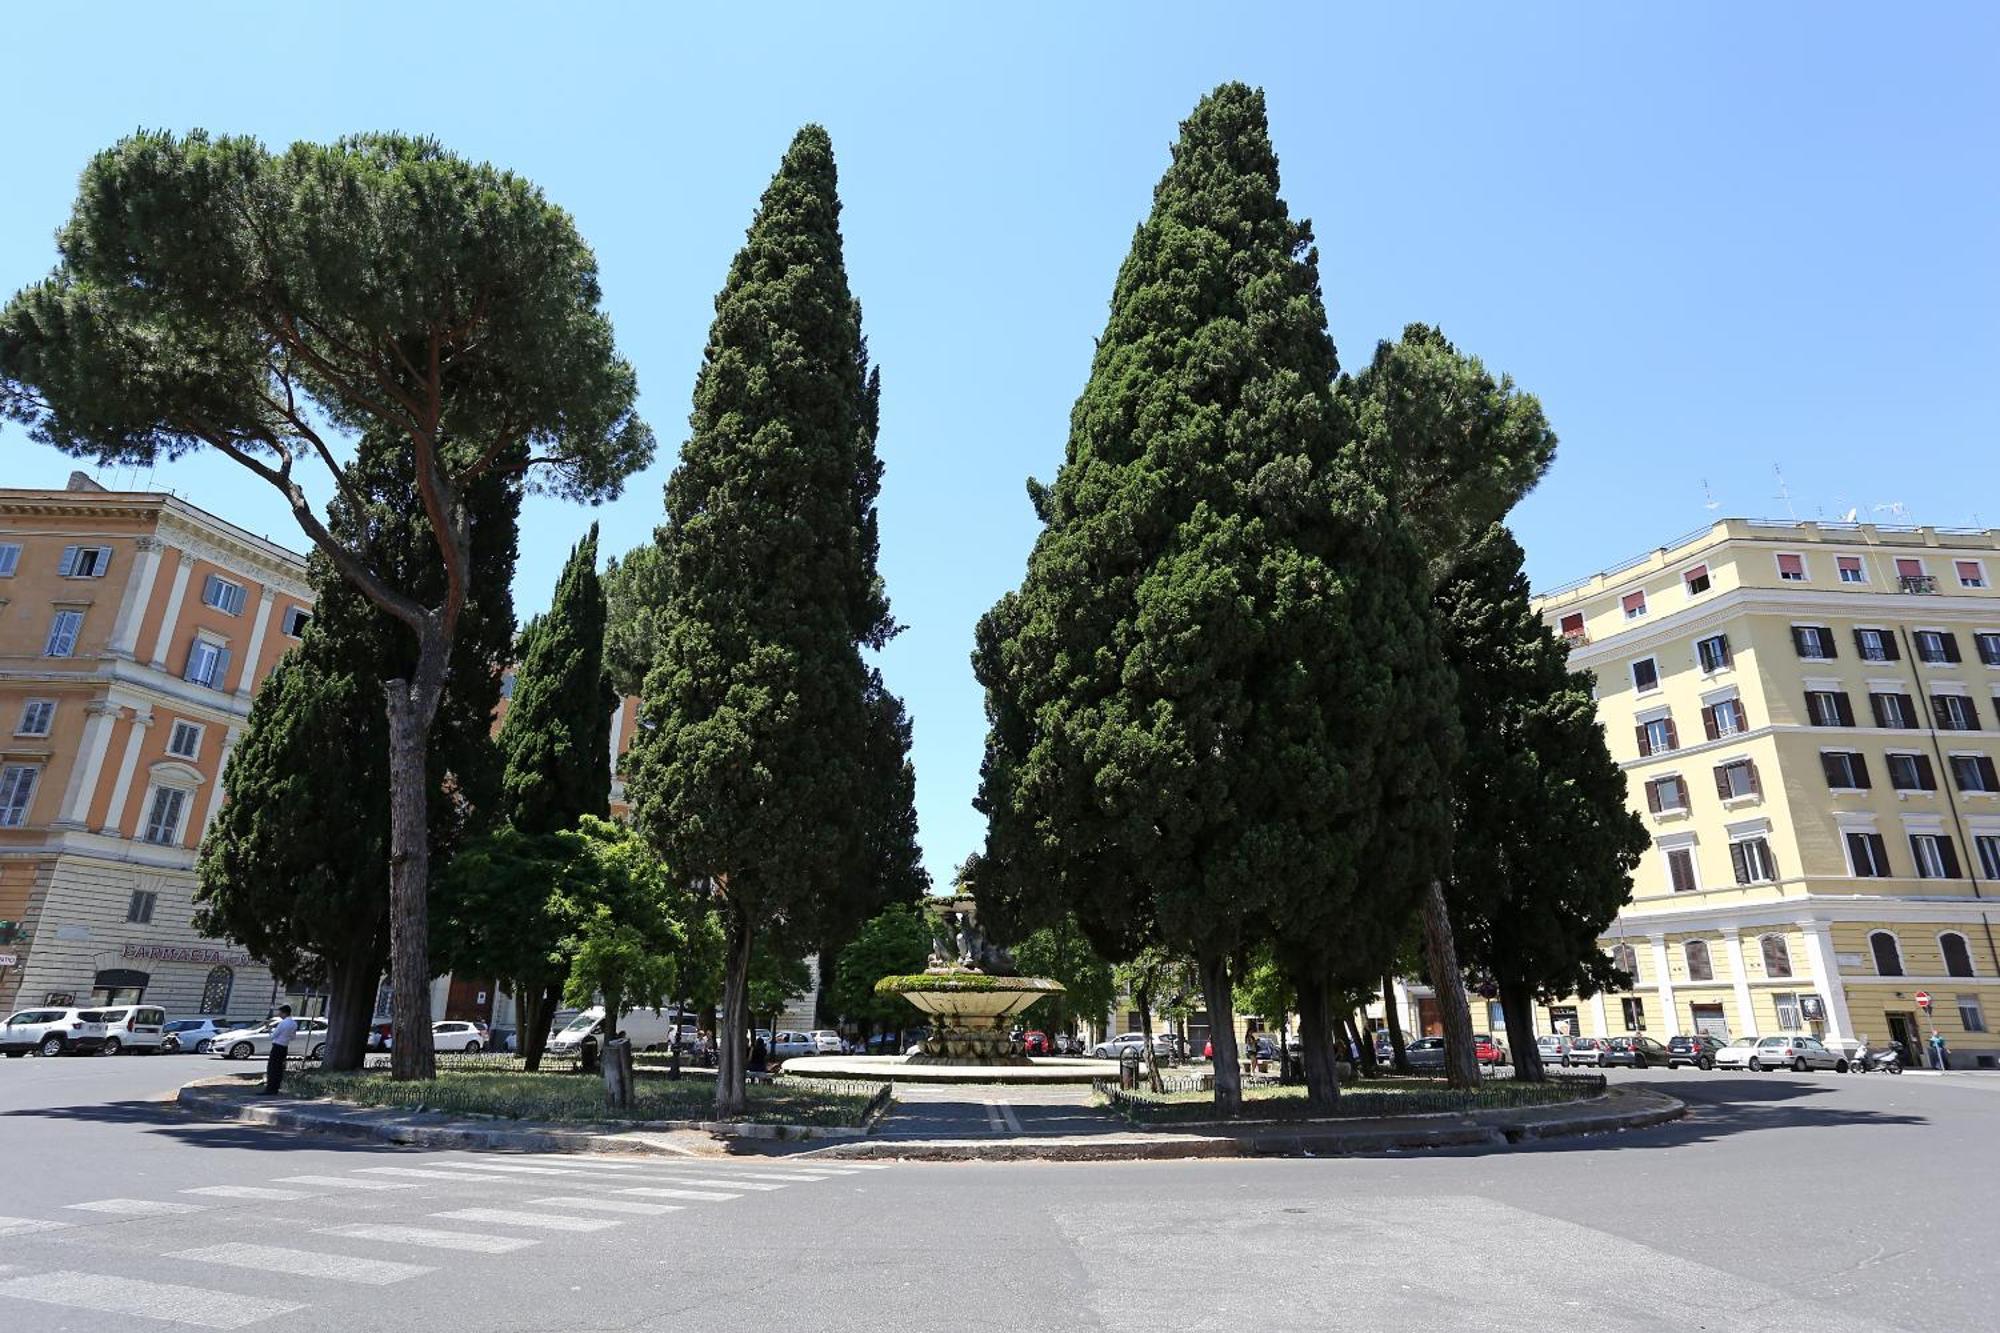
x=276, y=1259
x=544, y=1221
x=248, y=1192
x=574, y=1159
x=421, y=1173
x=653, y=1192
x=430, y=1238
x=758, y=1185
x=170, y=1301
x=136, y=1207
x=632, y=1206
x=22, y=1226
x=788, y=1178
x=506, y=1169
x=342, y=1182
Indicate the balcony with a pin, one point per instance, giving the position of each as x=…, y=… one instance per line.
x=1924, y=584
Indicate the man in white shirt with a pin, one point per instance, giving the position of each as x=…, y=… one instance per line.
x=281, y=1038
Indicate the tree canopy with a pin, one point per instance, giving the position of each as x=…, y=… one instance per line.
x=556, y=739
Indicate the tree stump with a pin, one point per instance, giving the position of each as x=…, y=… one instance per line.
x=618, y=1074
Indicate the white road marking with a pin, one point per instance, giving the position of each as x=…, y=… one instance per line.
x=248, y=1192
x=22, y=1226
x=573, y=1159
x=632, y=1206
x=993, y=1119
x=655, y=1193
x=342, y=1182
x=517, y=1170
x=716, y=1184
x=544, y=1221
x=278, y=1261
x=1007, y=1114
x=431, y=1239
x=136, y=1207
x=154, y=1300
x=421, y=1173
x=754, y=1175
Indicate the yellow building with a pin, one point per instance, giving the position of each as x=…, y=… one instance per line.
x=134, y=629
x=1809, y=717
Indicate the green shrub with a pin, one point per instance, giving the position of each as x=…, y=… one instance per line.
x=517, y=1095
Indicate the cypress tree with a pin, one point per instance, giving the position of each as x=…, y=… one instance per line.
x=556, y=741
x=1190, y=694
x=765, y=731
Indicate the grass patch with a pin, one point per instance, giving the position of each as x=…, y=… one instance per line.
x=1378, y=1097
x=517, y=1095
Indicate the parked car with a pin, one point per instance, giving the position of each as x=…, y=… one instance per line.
x=1488, y=1051
x=52, y=1032
x=1738, y=1054
x=1588, y=1050
x=1697, y=1049
x=134, y=1027
x=646, y=1030
x=788, y=1045
x=504, y=1039
x=1426, y=1053
x=1638, y=1052
x=1554, y=1048
x=451, y=1034
x=1065, y=1043
x=1034, y=1042
x=184, y=1036
x=827, y=1042
x=243, y=1043
x=1115, y=1048
x=1795, y=1051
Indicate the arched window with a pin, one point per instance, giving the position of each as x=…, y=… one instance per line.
x=1777, y=958
x=1699, y=968
x=1625, y=960
x=215, y=991
x=1888, y=957
x=1957, y=957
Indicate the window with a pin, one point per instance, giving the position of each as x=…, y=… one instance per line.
x=1851, y=570
x=1724, y=719
x=294, y=622
x=1912, y=772
x=1988, y=847
x=1876, y=645
x=215, y=990
x=1955, y=712
x=1971, y=574
x=1935, y=855
x=1867, y=855
x=207, y=664
x=1888, y=956
x=1829, y=708
x=1698, y=964
x=1634, y=604
x=1625, y=960
x=1974, y=772
x=1787, y=1005
x=222, y=594
x=62, y=634
x=1713, y=653
x=163, y=822
x=1777, y=958
x=1957, y=954
x=1814, y=642
x=1667, y=795
x=1696, y=580
x=1970, y=1016
x=17, y=788
x=37, y=715
x=1936, y=646
x=1680, y=869
x=1635, y=1013
x=184, y=741
x=1751, y=859
x=84, y=562
x=1658, y=736
x=1792, y=568
x=1988, y=644
x=1845, y=770
x=1645, y=675
x=1898, y=712
x=10, y=559
x=1736, y=780
x=140, y=909
x=1910, y=577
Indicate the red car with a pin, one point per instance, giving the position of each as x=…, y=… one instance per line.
x=1035, y=1043
x=1488, y=1051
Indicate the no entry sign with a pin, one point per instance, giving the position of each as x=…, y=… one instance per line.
x=1924, y=1000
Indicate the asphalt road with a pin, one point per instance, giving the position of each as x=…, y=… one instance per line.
x=1827, y=1202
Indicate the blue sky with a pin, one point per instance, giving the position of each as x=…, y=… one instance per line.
x=1715, y=239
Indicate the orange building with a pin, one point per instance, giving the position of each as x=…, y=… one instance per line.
x=134, y=629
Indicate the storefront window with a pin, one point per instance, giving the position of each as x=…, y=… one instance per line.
x=215, y=991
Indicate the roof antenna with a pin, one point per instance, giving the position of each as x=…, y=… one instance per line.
x=1784, y=492
x=1709, y=502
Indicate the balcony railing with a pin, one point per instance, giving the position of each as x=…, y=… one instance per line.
x=1917, y=583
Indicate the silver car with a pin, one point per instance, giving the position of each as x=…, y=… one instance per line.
x=244, y=1043
x=1426, y=1053
x=1796, y=1052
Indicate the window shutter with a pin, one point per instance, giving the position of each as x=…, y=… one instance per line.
x=1881, y=850
x=193, y=655
x=1708, y=723
x=1890, y=648
x=1875, y=706
x=1909, y=708
x=1653, y=796
x=1859, y=763
x=219, y=678
x=1739, y=862
x=1680, y=868
x=1722, y=642
x=1750, y=767
x=1950, y=642
x=1926, y=775
x=103, y=563
x=1673, y=736
x=1830, y=765
x=1857, y=852
x=1971, y=708
x=1722, y=781
x=1645, y=746
x=1989, y=780
x=211, y=591
x=1742, y=717
x=1942, y=711
x=1860, y=645
x=1843, y=709
x=1799, y=643
x=1826, y=641
x=68, y=565
x=1948, y=852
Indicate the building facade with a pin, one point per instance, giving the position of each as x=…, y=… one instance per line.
x=134, y=629
x=1809, y=718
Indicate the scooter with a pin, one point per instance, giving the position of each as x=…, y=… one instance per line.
x=1889, y=1060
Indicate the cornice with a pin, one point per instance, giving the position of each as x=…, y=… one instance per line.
x=1883, y=609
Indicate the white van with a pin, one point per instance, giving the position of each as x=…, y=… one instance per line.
x=648, y=1031
x=134, y=1027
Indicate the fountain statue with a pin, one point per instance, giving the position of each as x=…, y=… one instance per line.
x=971, y=993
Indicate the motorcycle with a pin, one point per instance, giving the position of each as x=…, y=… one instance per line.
x=1889, y=1060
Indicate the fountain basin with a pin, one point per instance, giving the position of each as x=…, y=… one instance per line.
x=969, y=1013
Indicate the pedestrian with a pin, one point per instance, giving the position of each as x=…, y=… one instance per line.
x=760, y=1055
x=281, y=1040
x=1939, y=1056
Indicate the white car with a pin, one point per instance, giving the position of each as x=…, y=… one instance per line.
x=134, y=1027
x=246, y=1042
x=193, y=1034
x=788, y=1045
x=827, y=1042
x=449, y=1034
x=1163, y=1046
x=52, y=1032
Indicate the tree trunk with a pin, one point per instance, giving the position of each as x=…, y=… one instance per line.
x=1517, y=1002
x=540, y=1001
x=732, y=1029
x=413, y=706
x=350, y=1005
x=1153, y=1079
x=1461, y=1061
x=1316, y=1046
x=1364, y=1049
x=1215, y=988
x=618, y=1074
x=1398, y=1048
